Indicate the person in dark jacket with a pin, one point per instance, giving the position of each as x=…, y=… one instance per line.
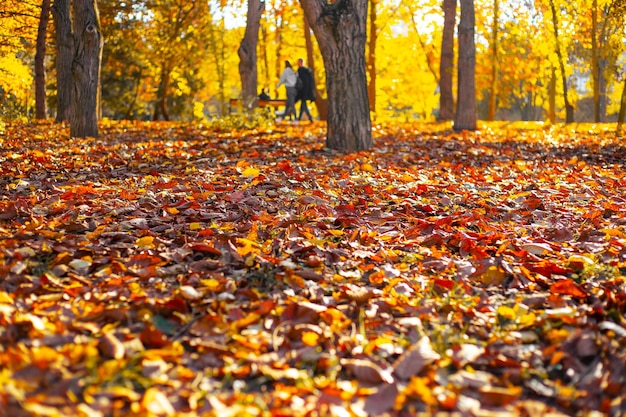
x=307, y=92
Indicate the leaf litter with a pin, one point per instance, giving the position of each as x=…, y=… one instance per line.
x=169, y=269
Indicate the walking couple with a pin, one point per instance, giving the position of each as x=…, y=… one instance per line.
x=300, y=87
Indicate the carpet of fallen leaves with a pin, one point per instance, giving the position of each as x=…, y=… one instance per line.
x=170, y=269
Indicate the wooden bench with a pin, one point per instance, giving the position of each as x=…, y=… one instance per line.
x=235, y=103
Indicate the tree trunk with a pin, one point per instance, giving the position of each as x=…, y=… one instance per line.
x=622, y=111
x=340, y=29
x=64, y=58
x=552, y=97
x=465, y=116
x=40, y=58
x=371, y=57
x=86, y=69
x=569, y=109
x=594, y=61
x=493, y=93
x=320, y=102
x=160, y=107
x=446, y=63
x=247, y=54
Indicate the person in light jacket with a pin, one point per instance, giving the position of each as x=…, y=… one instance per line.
x=289, y=78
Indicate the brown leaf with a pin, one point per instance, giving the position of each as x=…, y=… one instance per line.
x=416, y=358
x=111, y=347
x=381, y=401
x=367, y=372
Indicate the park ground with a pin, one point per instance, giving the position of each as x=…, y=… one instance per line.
x=170, y=269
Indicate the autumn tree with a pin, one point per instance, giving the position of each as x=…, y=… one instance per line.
x=88, y=43
x=569, y=108
x=493, y=90
x=446, y=65
x=18, y=32
x=40, y=57
x=371, y=55
x=465, y=116
x=247, y=52
x=61, y=13
x=340, y=29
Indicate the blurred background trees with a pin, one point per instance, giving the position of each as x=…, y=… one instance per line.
x=178, y=60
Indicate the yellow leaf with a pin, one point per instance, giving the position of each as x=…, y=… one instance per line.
x=310, y=338
x=250, y=172
x=527, y=319
x=367, y=168
x=492, y=276
x=172, y=210
x=5, y=298
x=145, y=242
x=195, y=226
x=506, y=312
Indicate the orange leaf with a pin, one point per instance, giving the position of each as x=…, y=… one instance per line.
x=567, y=287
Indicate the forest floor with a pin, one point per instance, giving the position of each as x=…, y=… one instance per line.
x=168, y=269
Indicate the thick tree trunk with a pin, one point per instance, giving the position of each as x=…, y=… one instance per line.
x=64, y=58
x=371, y=57
x=465, y=116
x=247, y=54
x=569, y=109
x=446, y=63
x=320, y=102
x=340, y=29
x=40, y=58
x=86, y=69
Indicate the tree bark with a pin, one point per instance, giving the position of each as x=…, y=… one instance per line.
x=465, y=116
x=160, y=106
x=569, y=109
x=340, y=29
x=86, y=69
x=552, y=97
x=446, y=63
x=595, y=72
x=40, y=58
x=371, y=57
x=248, y=56
x=622, y=111
x=65, y=55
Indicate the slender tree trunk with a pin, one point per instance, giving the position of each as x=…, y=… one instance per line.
x=40, y=58
x=65, y=55
x=465, y=116
x=493, y=93
x=595, y=72
x=247, y=54
x=552, y=97
x=86, y=69
x=569, y=109
x=320, y=102
x=602, y=99
x=446, y=64
x=160, y=107
x=622, y=111
x=371, y=57
x=340, y=29
x=264, y=58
